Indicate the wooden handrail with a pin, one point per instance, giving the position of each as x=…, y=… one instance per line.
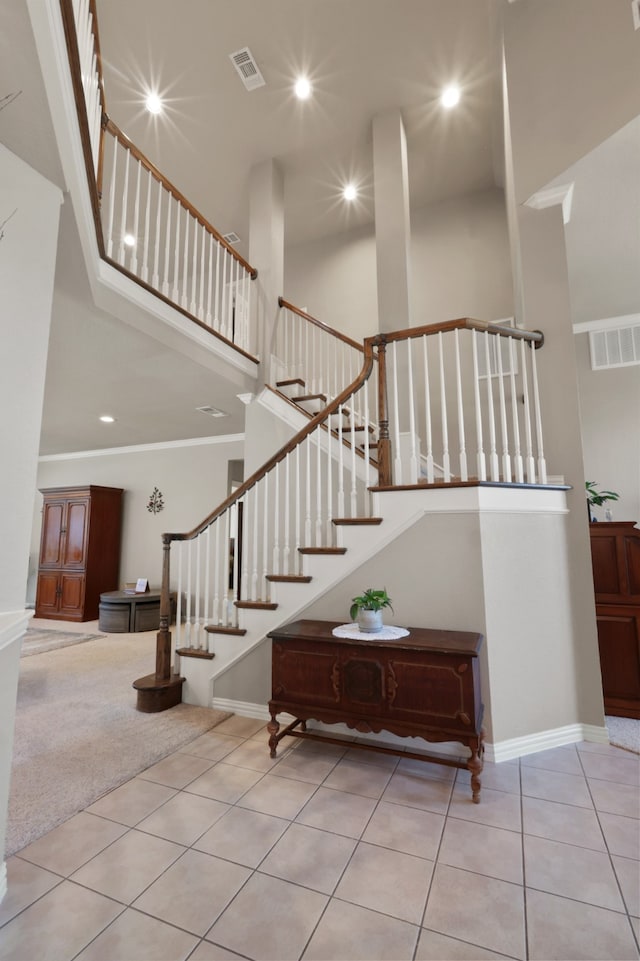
x=73, y=53
x=166, y=183
x=282, y=453
x=318, y=323
x=536, y=337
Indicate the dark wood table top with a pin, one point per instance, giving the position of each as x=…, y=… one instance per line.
x=115, y=596
x=419, y=638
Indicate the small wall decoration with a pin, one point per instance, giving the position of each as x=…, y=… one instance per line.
x=156, y=502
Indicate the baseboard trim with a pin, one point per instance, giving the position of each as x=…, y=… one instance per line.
x=3, y=880
x=544, y=741
x=499, y=751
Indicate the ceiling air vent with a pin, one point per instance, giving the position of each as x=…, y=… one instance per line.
x=212, y=411
x=617, y=347
x=247, y=68
x=231, y=238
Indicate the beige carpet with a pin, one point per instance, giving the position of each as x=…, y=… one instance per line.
x=624, y=732
x=78, y=734
x=37, y=640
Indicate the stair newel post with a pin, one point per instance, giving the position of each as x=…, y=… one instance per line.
x=384, y=442
x=162, y=690
x=163, y=642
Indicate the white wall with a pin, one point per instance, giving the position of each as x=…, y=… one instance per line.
x=192, y=479
x=30, y=207
x=610, y=417
x=460, y=267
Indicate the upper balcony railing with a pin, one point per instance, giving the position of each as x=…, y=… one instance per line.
x=145, y=227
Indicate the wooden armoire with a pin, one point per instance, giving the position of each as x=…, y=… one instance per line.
x=79, y=550
x=615, y=552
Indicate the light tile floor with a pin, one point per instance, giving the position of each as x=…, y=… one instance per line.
x=219, y=852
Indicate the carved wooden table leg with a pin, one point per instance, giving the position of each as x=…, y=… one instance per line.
x=475, y=765
x=273, y=727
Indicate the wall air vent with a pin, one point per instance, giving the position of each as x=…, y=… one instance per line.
x=247, y=68
x=212, y=411
x=615, y=347
x=231, y=238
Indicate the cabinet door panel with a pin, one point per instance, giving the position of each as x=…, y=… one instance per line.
x=47, y=593
x=76, y=522
x=619, y=643
x=304, y=675
x=433, y=691
x=72, y=594
x=50, y=549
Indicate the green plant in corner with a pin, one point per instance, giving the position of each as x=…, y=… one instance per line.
x=369, y=600
x=596, y=498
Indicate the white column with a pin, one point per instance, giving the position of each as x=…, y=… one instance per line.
x=266, y=250
x=30, y=209
x=393, y=230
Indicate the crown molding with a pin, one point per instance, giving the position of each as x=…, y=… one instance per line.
x=142, y=448
x=550, y=196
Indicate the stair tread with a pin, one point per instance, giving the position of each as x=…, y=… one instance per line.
x=289, y=578
x=356, y=521
x=195, y=652
x=219, y=629
x=303, y=397
x=289, y=383
x=256, y=605
x=322, y=550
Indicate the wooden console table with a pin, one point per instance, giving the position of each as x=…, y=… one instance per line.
x=425, y=685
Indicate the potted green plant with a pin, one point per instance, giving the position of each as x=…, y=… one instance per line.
x=596, y=498
x=366, y=609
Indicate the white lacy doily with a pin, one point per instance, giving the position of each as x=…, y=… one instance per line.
x=387, y=633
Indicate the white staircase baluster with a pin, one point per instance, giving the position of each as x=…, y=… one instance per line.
x=218, y=570
x=223, y=559
x=353, y=505
x=184, y=302
x=397, y=460
x=112, y=198
x=446, y=463
x=329, y=527
x=254, y=516
x=244, y=593
x=493, y=451
x=133, y=263
x=176, y=256
x=318, y=531
x=506, y=458
x=427, y=410
x=206, y=614
x=481, y=463
x=188, y=621
x=307, y=516
x=413, y=463
x=464, y=473
x=179, y=545
x=367, y=449
x=155, y=277
x=297, y=494
x=340, y=465
x=145, y=247
x=223, y=295
x=286, y=546
x=265, y=530
x=197, y=596
x=194, y=270
x=517, y=453
x=200, y=312
x=530, y=462
x=207, y=316
x=276, y=519
x=542, y=465
x=218, y=291
x=123, y=211
x=167, y=250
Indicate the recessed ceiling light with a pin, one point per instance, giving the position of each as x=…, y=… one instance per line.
x=302, y=88
x=107, y=419
x=350, y=192
x=450, y=96
x=153, y=103
x=129, y=240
